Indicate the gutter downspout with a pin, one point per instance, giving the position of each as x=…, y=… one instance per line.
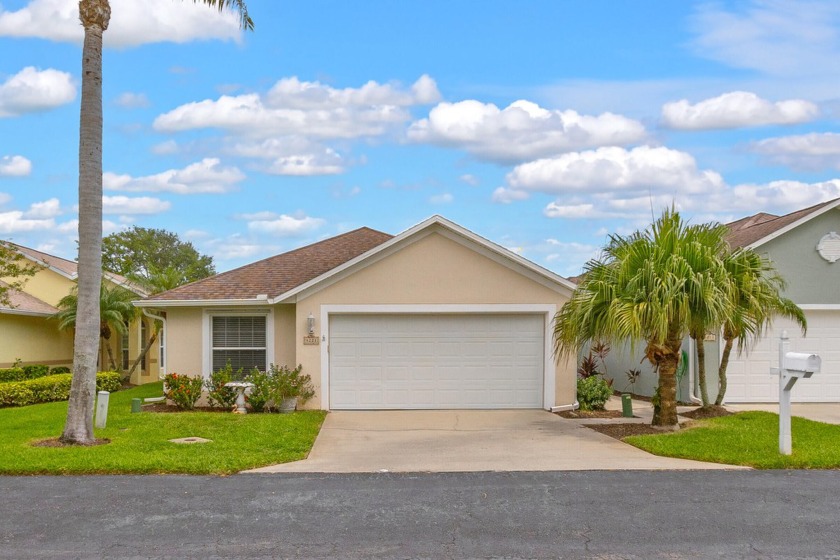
x=574, y=406
x=161, y=372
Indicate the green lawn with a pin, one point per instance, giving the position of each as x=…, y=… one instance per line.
x=139, y=441
x=750, y=439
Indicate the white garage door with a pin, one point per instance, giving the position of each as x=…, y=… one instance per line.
x=748, y=377
x=436, y=361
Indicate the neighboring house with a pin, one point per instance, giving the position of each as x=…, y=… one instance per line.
x=804, y=246
x=29, y=335
x=436, y=317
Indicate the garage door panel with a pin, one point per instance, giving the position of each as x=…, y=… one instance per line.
x=436, y=361
x=748, y=377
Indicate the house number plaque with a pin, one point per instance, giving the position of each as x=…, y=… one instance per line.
x=310, y=340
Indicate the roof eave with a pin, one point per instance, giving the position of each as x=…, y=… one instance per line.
x=781, y=231
x=200, y=302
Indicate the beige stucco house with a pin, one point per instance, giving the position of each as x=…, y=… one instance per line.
x=435, y=317
x=29, y=335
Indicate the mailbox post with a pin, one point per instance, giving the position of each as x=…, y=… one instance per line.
x=792, y=366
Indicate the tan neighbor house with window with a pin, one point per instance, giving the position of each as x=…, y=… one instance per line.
x=435, y=317
x=29, y=335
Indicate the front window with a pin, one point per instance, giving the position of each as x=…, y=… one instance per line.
x=239, y=339
x=124, y=347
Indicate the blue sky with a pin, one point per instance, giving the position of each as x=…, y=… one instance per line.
x=540, y=125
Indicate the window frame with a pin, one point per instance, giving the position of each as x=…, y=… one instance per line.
x=207, y=333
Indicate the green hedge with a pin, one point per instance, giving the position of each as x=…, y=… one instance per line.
x=34, y=371
x=51, y=388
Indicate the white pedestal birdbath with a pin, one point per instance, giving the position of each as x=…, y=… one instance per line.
x=241, y=387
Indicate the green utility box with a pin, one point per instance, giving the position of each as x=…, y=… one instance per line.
x=136, y=404
x=626, y=406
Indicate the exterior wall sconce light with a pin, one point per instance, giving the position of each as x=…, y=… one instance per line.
x=310, y=324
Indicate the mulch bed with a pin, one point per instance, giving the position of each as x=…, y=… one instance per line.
x=160, y=407
x=621, y=431
x=577, y=414
x=712, y=411
x=55, y=442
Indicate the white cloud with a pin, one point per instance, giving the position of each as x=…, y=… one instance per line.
x=131, y=100
x=777, y=37
x=521, y=131
x=39, y=217
x=132, y=23
x=291, y=155
x=615, y=170
x=165, y=148
x=818, y=150
x=44, y=210
x=504, y=195
x=15, y=166
x=291, y=93
x=307, y=109
x=32, y=90
x=4, y=198
x=206, y=176
x=470, y=179
x=443, y=198
x=734, y=110
x=133, y=205
x=281, y=225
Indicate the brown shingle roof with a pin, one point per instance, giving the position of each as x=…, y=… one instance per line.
x=22, y=302
x=279, y=274
x=68, y=267
x=71, y=268
x=751, y=229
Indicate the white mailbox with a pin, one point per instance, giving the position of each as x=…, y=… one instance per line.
x=800, y=364
x=792, y=367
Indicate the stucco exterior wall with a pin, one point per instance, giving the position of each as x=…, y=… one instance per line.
x=432, y=270
x=284, y=336
x=35, y=340
x=811, y=279
x=48, y=286
x=184, y=342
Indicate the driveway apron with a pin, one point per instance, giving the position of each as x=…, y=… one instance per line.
x=468, y=441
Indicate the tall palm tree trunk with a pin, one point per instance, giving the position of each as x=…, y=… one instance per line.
x=94, y=15
x=724, y=363
x=142, y=354
x=667, y=359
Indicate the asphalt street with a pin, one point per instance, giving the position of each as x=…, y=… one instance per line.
x=596, y=514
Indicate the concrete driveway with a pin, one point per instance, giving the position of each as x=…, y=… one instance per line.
x=469, y=440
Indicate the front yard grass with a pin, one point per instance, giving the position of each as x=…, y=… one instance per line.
x=139, y=442
x=749, y=439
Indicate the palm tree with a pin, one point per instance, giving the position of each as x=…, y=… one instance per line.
x=647, y=286
x=95, y=16
x=754, y=287
x=115, y=312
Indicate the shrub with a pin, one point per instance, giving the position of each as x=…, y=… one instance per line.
x=22, y=373
x=592, y=393
x=36, y=370
x=290, y=383
x=183, y=390
x=50, y=388
x=260, y=396
x=12, y=374
x=59, y=369
x=217, y=393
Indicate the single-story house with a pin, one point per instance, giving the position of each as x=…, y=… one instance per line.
x=29, y=335
x=436, y=317
x=804, y=246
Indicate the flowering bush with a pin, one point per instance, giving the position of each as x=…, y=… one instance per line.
x=217, y=393
x=183, y=390
x=260, y=396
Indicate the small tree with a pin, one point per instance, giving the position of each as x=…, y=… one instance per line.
x=15, y=269
x=115, y=311
x=755, y=290
x=646, y=287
